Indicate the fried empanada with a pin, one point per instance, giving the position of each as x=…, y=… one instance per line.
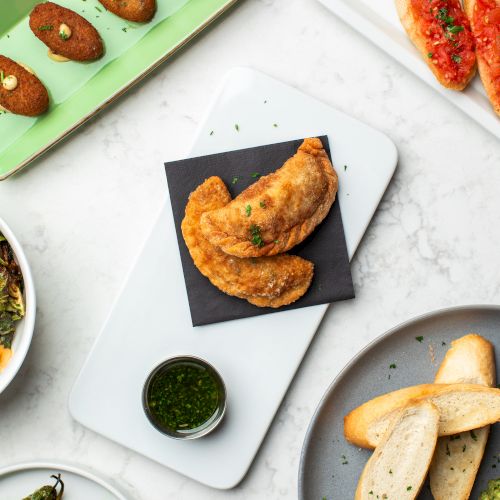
x=280, y=210
x=264, y=282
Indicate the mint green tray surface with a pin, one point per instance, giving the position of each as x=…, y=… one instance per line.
x=78, y=90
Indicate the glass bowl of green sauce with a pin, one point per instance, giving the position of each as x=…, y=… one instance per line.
x=184, y=397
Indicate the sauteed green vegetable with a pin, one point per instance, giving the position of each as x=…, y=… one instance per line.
x=12, y=307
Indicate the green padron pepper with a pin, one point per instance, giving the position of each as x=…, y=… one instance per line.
x=48, y=492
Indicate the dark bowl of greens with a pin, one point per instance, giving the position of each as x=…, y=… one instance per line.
x=17, y=305
x=184, y=397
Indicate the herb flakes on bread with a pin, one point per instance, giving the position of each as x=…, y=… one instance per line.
x=399, y=464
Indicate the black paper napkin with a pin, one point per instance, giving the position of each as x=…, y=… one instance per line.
x=325, y=247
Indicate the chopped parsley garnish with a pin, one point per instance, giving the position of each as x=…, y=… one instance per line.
x=448, y=26
x=392, y=366
x=124, y=30
x=97, y=8
x=256, y=236
x=211, y=132
x=443, y=343
x=456, y=58
x=344, y=460
x=473, y=435
x=420, y=338
x=1, y=77
x=235, y=180
x=370, y=492
x=262, y=204
x=408, y=488
x=275, y=125
x=46, y=27
x=237, y=127
x=390, y=471
x=455, y=29
x=256, y=174
x=429, y=55
x=248, y=210
x=345, y=168
x=63, y=35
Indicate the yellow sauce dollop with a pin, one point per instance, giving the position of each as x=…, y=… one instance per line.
x=57, y=57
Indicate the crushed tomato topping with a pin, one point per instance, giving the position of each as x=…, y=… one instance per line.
x=486, y=19
x=450, y=43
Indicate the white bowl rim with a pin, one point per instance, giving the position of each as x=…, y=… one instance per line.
x=28, y=322
x=78, y=470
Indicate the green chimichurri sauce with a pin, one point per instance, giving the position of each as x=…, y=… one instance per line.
x=183, y=396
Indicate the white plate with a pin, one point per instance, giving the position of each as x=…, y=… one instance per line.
x=379, y=22
x=20, y=480
x=257, y=357
x=24, y=328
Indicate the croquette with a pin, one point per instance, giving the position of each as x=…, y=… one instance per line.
x=65, y=32
x=27, y=95
x=139, y=11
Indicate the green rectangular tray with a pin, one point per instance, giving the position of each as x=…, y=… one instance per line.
x=79, y=91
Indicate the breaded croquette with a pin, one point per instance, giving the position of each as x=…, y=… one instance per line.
x=65, y=32
x=21, y=92
x=139, y=11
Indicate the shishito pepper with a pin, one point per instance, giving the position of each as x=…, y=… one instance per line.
x=48, y=492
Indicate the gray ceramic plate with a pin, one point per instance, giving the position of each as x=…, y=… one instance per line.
x=329, y=466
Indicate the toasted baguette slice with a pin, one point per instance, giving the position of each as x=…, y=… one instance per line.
x=462, y=407
x=457, y=458
x=453, y=68
x=399, y=464
x=486, y=71
x=470, y=360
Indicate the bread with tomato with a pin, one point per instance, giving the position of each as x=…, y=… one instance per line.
x=441, y=32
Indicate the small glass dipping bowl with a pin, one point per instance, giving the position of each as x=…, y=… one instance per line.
x=164, y=373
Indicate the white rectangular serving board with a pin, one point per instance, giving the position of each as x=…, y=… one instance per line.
x=379, y=22
x=257, y=357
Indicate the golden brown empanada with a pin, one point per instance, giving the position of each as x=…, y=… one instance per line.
x=264, y=282
x=280, y=210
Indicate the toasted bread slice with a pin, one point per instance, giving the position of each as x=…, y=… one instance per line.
x=462, y=407
x=399, y=464
x=443, y=37
x=457, y=458
x=486, y=49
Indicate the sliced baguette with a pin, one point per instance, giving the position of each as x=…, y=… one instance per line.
x=485, y=71
x=399, y=464
x=457, y=458
x=420, y=38
x=462, y=407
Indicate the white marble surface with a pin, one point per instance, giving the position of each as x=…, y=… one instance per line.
x=84, y=210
